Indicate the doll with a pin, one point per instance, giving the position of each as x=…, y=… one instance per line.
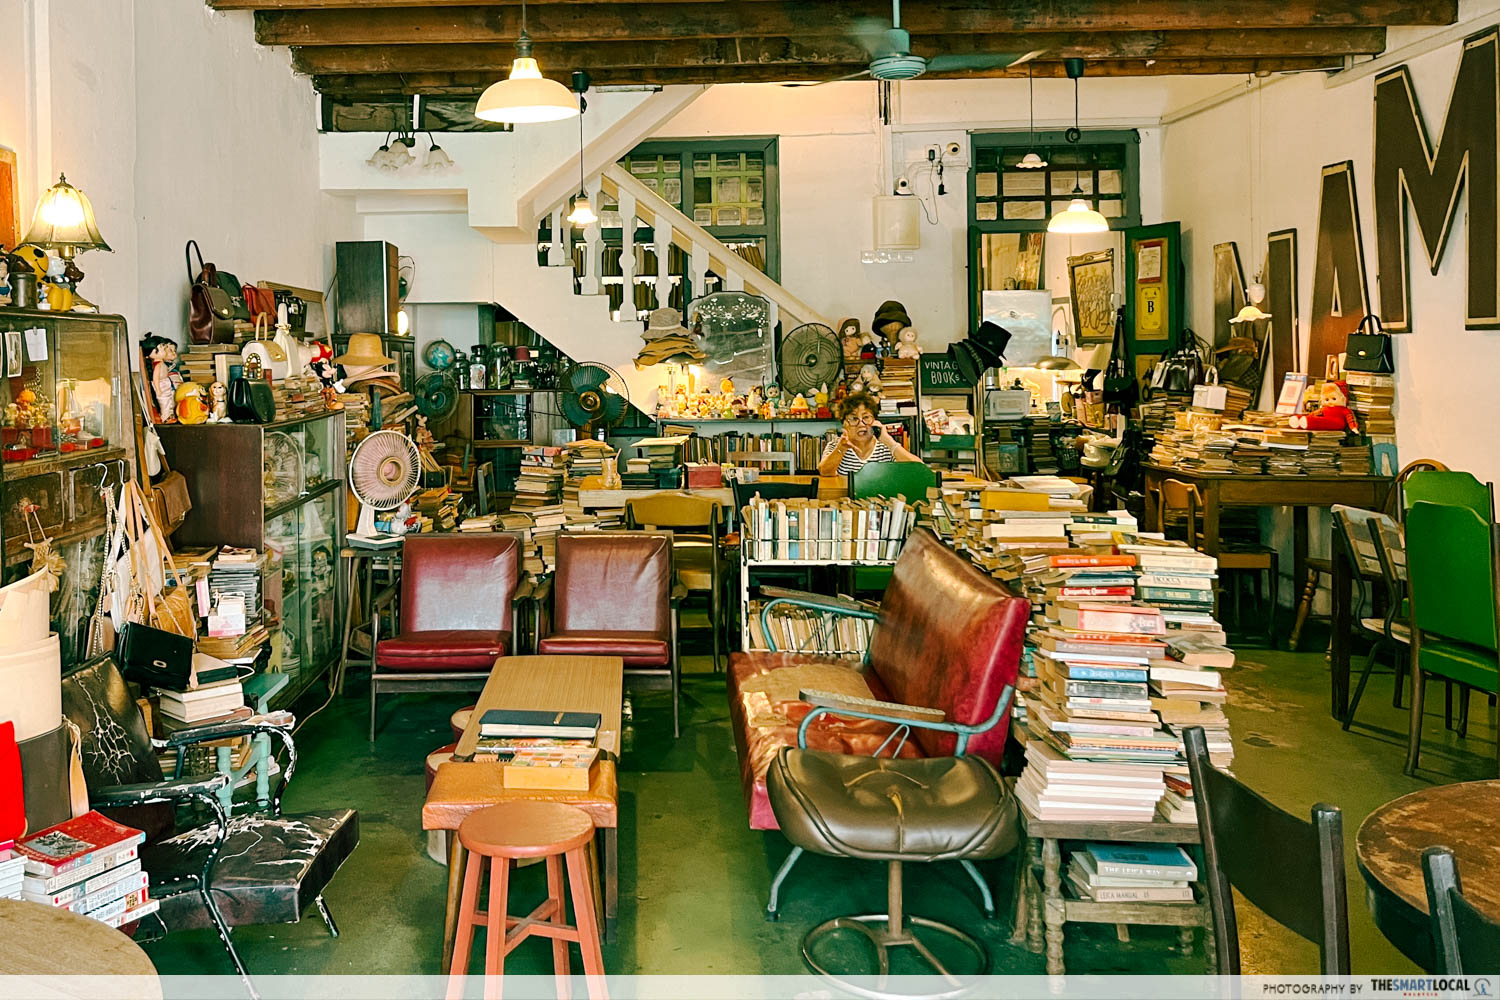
x=1332, y=415
x=798, y=407
x=753, y=401
x=161, y=352
x=906, y=347
x=849, y=339
x=772, y=407
x=820, y=403
x=868, y=349
x=869, y=377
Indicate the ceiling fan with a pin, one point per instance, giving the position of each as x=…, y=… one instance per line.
x=891, y=57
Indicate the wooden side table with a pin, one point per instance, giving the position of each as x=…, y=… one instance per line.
x=1042, y=910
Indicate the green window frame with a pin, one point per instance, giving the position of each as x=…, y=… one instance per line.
x=1102, y=157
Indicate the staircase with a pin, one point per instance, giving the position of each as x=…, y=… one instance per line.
x=565, y=301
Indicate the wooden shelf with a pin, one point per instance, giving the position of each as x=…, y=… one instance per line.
x=500, y=444
x=504, y=392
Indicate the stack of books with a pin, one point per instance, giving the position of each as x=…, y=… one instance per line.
x=90, y=866
x=1108, y=873
x=237, y=571
x=540, y=483
x=1055, y=787
x=898, y=379
x=844, y=530
x=1372, y=396
x=12, y=872
x=197, y=364
x=1187, y=689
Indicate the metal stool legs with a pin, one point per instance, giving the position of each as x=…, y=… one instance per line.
x=895, y=929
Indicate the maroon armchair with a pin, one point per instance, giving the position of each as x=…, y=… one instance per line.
x=612, y=595
x=458, y=614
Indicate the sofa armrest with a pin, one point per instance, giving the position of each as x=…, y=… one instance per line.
x=963, y=732
x=805, y=599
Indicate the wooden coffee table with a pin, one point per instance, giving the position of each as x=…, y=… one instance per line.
x=460, y=787
x=41, y=941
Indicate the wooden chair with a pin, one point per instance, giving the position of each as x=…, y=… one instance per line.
x=1300, y=884
x=1175, y=495
x=1392, y=632
x=1464, y=941
x=1318, y=567
x=697, y=527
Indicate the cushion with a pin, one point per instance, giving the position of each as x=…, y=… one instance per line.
x=441, y=650
x=269, y=870
x=637, y=649
x=1461, y=662
x=878, y=809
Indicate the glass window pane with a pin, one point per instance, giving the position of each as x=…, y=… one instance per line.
x=1025, y=210
x=728, y=217
x=641, y=165
x=729, y=189
x=703, y=164
x=671, y=165
x=1111, y=181
x=652, y=183
x=1112, y=208
x=755, y=163
x=986, y=184
x=671, y=190
x=609, y=220
x=984, y=211
x=755, y=190
x=755, y=216
x=728, y=161
x=703, y=189
x=1025, y=182
x=1063, y=182
x=703, y=215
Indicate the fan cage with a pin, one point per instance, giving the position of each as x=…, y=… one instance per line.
x=384, y=470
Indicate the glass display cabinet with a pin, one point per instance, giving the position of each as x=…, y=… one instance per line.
x=277, y=488
x=66, y=431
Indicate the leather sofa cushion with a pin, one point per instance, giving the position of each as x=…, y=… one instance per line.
x=949, y=637
x=461, y=582
x=933, y=809
x=637, y=649
x=442, y=649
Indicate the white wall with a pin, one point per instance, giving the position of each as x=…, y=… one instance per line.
x=177, y=126
x=1267, y=147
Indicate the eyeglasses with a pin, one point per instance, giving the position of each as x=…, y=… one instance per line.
x=854, y=419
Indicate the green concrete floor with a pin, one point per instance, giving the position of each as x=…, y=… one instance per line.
x=694, y=878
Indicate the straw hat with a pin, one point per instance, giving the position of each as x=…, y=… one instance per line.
x=665, y=322
x=364, y=349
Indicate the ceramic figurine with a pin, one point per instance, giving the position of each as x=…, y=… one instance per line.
x=773, y=405
x=753, y=401
x=191, y=403
x=161, y=352
x=798, y=407
x=906, y=347
x=1332, y=415
x=820, y=402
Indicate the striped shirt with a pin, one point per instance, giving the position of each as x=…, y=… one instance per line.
x=851, y=460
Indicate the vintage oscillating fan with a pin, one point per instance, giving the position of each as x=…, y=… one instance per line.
x=437, y=395
x=383, y=473
x=593, y=396
x=810, y=358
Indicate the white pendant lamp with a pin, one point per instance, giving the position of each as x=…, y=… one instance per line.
x=583, y=213
x=1031, y=161
x=1079, y=218
x=526, y=97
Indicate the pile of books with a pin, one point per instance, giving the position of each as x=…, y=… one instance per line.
x=296, y=397
x=88, y=865
x=1371, y=397
x=843, y=530
x=540, y=749
x=12, y=872
x=437, y=508
x=1111, y=873
x=540, y=482
x=585, y=458
x=198, y=363
x=898, y=379
x=212, y=694
x=1354, y=460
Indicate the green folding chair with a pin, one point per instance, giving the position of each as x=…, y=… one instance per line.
x=1453, y=489
x=908, y=480
x=1450, y=569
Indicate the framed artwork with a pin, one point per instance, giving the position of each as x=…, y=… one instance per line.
x=1091, y=286
x=1153, y=286
x=10, y=200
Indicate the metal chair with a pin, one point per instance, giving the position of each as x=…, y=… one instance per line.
x=1300, y=884
x=1464, y=940
x=697, y=527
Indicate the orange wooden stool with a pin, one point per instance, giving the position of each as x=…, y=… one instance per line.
x=459, y=721
x=512, y=831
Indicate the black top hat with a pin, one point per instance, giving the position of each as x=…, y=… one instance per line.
x=980, y=352
x=890, y=311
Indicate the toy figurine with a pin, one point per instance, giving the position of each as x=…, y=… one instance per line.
x=820, y=403
x=192, y=403
x=161, y=352
x=798, y=408
x=1332, y=415
x=753, y=401
x=906, y=347
x=868, y=349
x=773, y=405
x=218, y=402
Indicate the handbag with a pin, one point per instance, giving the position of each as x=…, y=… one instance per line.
x=261, y=303
x=1368, y=349
x=236, y=292
x=1120, y=388
x=210, y=311
x=1182, y=369
x=154, y=656
x=170, y=501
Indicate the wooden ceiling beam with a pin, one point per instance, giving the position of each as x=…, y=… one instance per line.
x=471, y=84
x=625, y=22
x=1324, y=42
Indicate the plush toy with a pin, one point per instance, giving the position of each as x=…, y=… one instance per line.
x=1332, y=415
x=907, y=348
x=820, y=403
x=798, y=407
x=869, y=377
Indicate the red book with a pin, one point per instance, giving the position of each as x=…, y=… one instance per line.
x=75, y=843
x=1071, y=561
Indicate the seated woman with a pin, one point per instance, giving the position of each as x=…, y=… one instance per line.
x=864, y=440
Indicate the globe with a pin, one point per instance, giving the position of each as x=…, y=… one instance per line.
x=438, y=355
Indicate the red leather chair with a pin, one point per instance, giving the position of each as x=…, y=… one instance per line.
x=612, y=595
x=458, y=604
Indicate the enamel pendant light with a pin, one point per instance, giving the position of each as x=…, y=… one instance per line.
x=1031, y=161
x=1079, y=217
x=527, y=96
x=583, y=213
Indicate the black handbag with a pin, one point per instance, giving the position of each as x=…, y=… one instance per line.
x=1368, y=349
x=1120, y=386
x=1182, y=369
x=154, y=656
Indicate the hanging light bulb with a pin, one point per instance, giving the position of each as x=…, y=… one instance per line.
x=526, y=96
x=1079, y=217
x=1031, y=161
x=583, y=213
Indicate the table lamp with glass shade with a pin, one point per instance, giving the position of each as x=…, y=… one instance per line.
x=64, y=222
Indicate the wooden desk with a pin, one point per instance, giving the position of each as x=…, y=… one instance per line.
x=1039, y=893
x=45, y=941
x=545, y=683
x=1388, y=849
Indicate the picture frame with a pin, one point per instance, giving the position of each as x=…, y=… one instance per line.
x=10, y=199
x=1091, y=289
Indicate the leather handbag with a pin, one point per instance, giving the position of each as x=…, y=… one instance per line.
x=1120, y=387
x=154, y=656
x=236, y=292
x=210, y=310
x=1368, y=349
x=1182, y=369
x=170, y=501
x=261, y=303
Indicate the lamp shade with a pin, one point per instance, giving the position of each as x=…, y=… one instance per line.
x=1249, y=314
x=583, y=212
x=1078, y=217
x=65, y=220
x=1031, y=161
x=527, y=96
